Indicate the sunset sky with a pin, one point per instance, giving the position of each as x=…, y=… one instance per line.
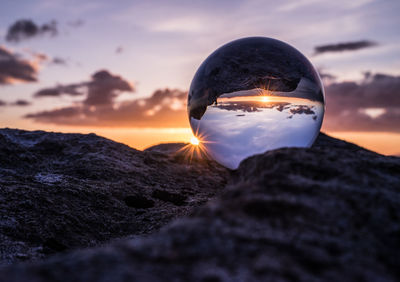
x=121, y=69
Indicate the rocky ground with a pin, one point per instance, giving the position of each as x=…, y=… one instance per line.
x=328, y=213
x=65, y=191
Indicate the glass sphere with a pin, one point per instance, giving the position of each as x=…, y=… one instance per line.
x=253, y=95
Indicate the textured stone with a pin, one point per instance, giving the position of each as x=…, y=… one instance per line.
x=65, y=191
x=328, y=213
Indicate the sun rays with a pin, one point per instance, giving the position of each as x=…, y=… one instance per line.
x=197, y=148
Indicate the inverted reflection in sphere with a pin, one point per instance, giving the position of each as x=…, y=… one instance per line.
x=253, y=95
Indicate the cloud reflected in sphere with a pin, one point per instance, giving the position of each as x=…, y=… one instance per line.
x=253, y=95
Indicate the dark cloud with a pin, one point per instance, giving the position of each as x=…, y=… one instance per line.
x=21, y=103
x=345, y=46
x=165, y=108
x=372, y=105
x=102, y=89
x=24, y=29
x=302, y=109
x=61, y=116
x=43, y=58
x=119, y=50
x=253, y=106
x=70, y=89
x=13, y=68
x=59, y=61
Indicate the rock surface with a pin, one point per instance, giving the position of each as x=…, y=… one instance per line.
x=64, y=191
x=329, y=213
x=166, y=148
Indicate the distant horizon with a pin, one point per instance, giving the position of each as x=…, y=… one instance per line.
x=184, y=135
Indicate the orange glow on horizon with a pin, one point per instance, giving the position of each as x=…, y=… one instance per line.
x=386, y=143
x=264, y=99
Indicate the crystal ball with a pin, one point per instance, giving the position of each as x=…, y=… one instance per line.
x=253, y=95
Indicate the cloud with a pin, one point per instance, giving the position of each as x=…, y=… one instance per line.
x=371, y=105
x=24, y=29
x=13, y=68
x=253, y=106
x=71, y=89
x=21, y=103
x=302, y=109
x=165, y=108
x=119, y=50
x=59, y=61
x=345, y=46
x=40, y=57
x=102, y=89
x=60, y=116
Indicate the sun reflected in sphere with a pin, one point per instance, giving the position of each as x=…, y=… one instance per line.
x=253, y=95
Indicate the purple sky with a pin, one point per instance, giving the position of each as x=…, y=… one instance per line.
x=149, y=45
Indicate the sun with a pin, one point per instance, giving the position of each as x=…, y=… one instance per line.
x=265, y=99
x=197, y=148
x=194, y=141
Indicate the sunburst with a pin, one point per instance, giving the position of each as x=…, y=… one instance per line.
x=197, y=148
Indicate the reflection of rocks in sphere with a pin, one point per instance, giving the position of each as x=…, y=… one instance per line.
x=252, y=95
